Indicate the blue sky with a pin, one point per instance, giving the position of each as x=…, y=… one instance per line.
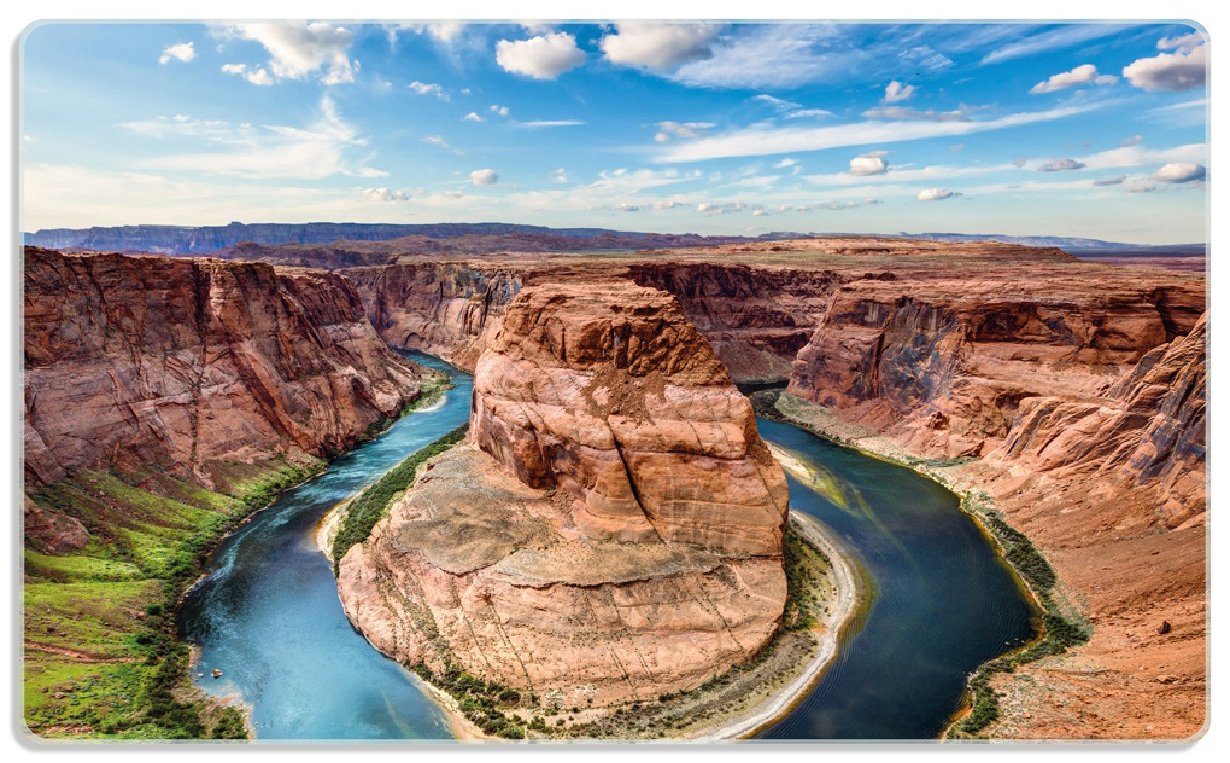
x=1094, y=130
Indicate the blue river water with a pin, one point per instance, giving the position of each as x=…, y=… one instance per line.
x=267, y=614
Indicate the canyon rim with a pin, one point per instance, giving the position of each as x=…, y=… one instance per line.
x=737, y=423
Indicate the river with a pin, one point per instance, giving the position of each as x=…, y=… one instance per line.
x=267, y=614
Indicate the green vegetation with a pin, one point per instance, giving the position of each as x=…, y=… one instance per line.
x=1058, y=631
x=368, y=507
x=482, y=702
x=432, y=386
x=805, y=570
x=101, y=656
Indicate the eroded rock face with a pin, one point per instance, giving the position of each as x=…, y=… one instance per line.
x=614, y=529
x=188, y=363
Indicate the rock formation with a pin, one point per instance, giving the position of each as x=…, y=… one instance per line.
x=613, y=531
x=187, y=364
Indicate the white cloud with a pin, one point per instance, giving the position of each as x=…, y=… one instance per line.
x=436, y=140
x=319, y=150
x=429, y=88
x=543, y=57
x=1058, y=165
x=445, y=33
x=1062, y=37
x=297, y=50
x=780, y=104
x=384, y=194
x=1180, y=172
x=936, y=194
x=660, y=47
x=1185, y=68
x=766, y=141
x=905, y=113
x=484, y=177
x=785, y=163
x=896, y=92
x=1112, y=180
x=1139, y=185
x=559, y=175
x=182, y=52
x=499, y=110
x=1183, y=42
x=1137, y=156
x=868, y=165
x=809, y=114
x=472, y=117
x=258, y=76
x=686, y=130
x=1085, y=74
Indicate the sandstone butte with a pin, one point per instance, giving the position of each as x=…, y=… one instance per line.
x=189, y=366
x=612, y=530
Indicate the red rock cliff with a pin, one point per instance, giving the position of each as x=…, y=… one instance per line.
x=188, y=363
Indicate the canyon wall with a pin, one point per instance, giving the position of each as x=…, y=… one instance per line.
x=612, y=531
x=187, y=364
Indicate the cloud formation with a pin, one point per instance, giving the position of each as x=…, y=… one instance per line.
x=658, y=47
x=1183, y=69
x=1085, y=74
x=1059, y=165
x=755, y=141
x=429, y=88
x=670, y=130
x=1180, y=172
x=384, y=194
x=182, y=52
x=544, y=57
x=897, y=92
x=936, y=194
x=484, y=177
x=905, y=113
x=868, y=165
x=297, y=50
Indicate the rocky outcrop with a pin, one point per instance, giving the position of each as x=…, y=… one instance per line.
x=187, y=364
x=612, y=532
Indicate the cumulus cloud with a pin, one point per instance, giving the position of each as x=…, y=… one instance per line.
x=559, y=175
x=1085, y=74
x=1113, y=180
x=472, y=117
x=297, y=50
x=868, y=165
x=1139, y=185
x=1180, y=172
x=258, y=76
x=1058, y=165
x=785, y=163
x=1185, y=68
x=484, y=177
x=182, y=52
x=499, y=110
x=543, y=57
x=936, y=194
x=670, y=130
x=658, y=47
x=384, y=194
x=907, y=114
x=897, y=92
x=429, y=88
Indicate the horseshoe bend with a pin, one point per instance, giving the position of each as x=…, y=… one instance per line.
x=610, y=544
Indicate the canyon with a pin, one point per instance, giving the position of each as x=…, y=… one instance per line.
x=1071, y=394
x=613, y=529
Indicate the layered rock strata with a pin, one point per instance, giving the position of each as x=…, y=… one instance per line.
x=185, y=364
x=612, y=532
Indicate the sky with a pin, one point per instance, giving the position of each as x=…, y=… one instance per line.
x=1091, y=130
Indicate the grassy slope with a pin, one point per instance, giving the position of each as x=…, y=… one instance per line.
x=101, y=657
